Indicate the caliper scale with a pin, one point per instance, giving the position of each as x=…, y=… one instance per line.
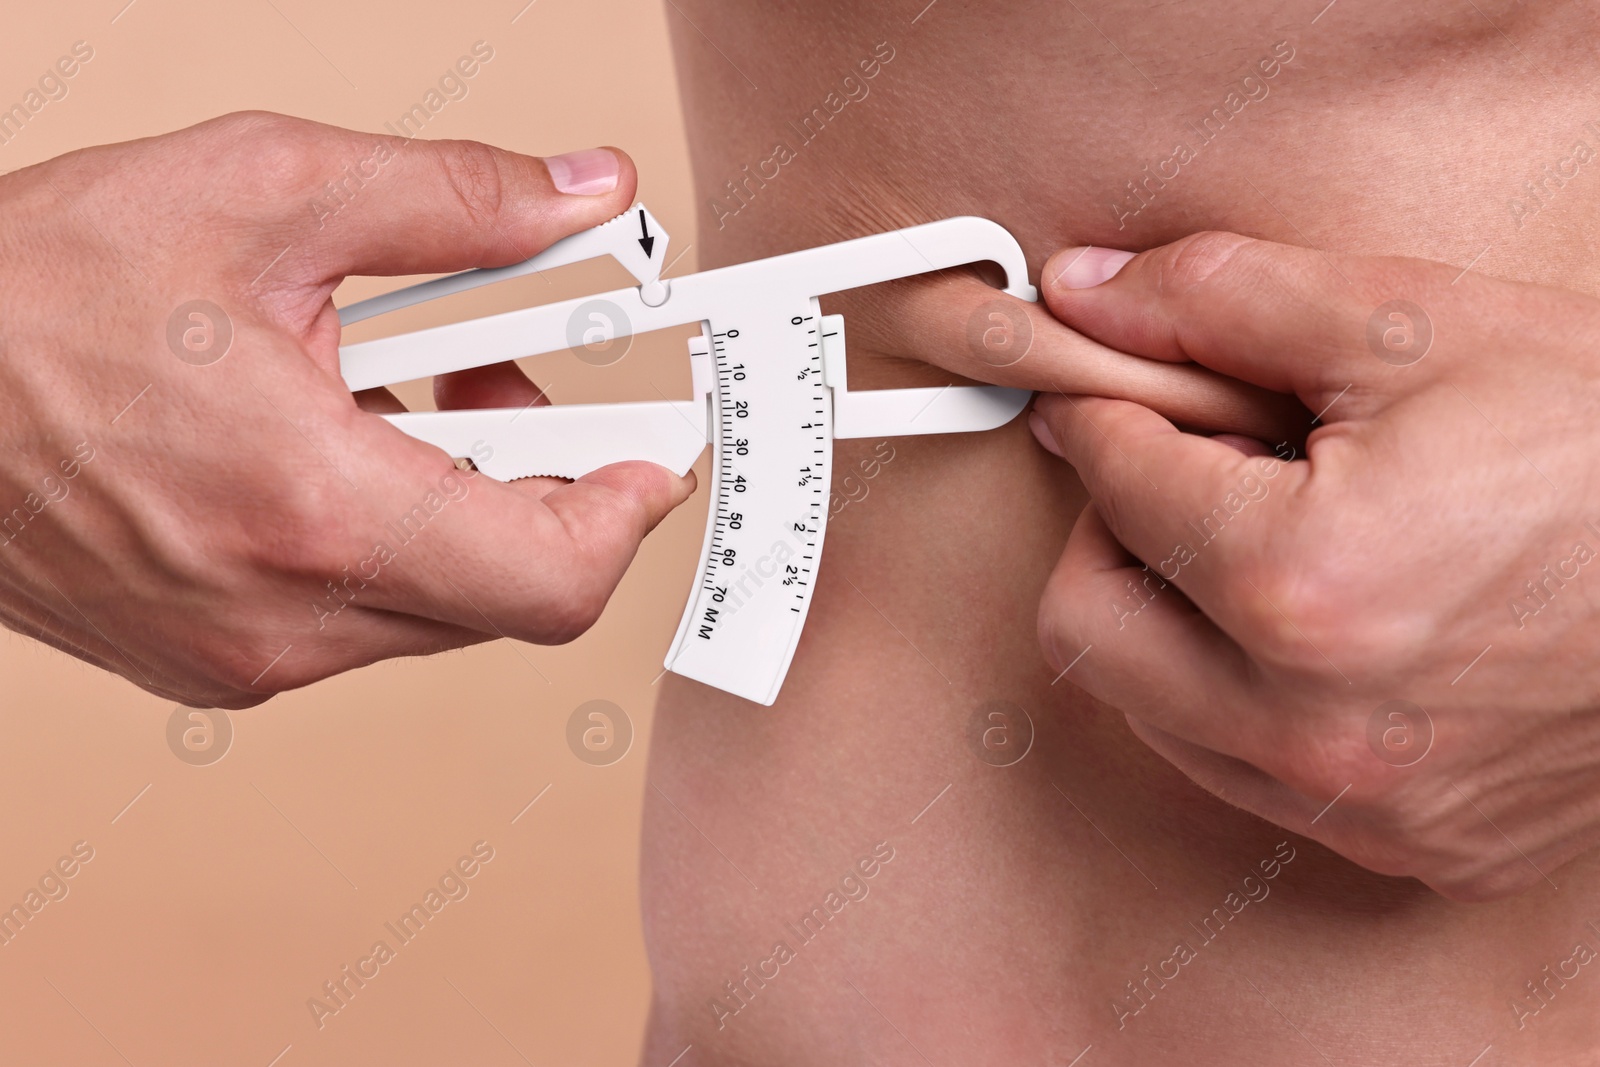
x=770, y=397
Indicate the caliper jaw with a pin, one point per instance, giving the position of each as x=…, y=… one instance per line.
x=570, y=440
x=906, y=412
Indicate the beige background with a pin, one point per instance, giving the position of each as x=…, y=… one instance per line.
x=225, y=895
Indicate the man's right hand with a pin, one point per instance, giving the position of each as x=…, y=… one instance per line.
x=189, y=494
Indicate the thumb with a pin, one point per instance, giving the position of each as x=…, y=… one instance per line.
x=510, y=561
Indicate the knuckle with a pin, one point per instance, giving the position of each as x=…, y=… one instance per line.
x=1267, y=599
x=1385, y=823
x=589, y=574
x=586, y=548
x=1050, y=632
x=1332, y=618
x=272, y=152
x=1059, y=623
x=1299, y=613
x=1391, y=824
x=1115, y=503
x=474, y=175
x=1188, y=263
x=572, y=614
x=1323, y=763
x=234, y=664
x=304, y=531
x=247, y=668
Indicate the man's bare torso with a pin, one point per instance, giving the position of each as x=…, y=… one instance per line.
x=852, y=876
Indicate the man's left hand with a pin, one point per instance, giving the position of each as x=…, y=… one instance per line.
x=1390, y=643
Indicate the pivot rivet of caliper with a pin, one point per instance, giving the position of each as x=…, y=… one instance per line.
x=655, y=293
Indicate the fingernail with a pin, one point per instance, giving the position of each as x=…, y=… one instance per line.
x=1090, y=266
x=587, y=173
x=1041, y=430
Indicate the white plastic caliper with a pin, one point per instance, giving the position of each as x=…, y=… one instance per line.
x=770, y=397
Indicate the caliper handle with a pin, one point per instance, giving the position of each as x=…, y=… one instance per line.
x=634, y=239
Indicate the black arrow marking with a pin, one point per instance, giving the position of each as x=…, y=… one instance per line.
x=646, y=242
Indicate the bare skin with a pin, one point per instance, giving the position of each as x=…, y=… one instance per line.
x=1307, y=632
x=191, y=496
x=1019, y=906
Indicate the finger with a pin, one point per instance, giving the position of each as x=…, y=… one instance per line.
x=505, y=560
x=1292, y=320
x=498, y=385
x=1191, y=507
x=1250, y=789
x=352, y=632
x=378, y=401
x=1133, y=641
x=1229, y=778
x=957, y=322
